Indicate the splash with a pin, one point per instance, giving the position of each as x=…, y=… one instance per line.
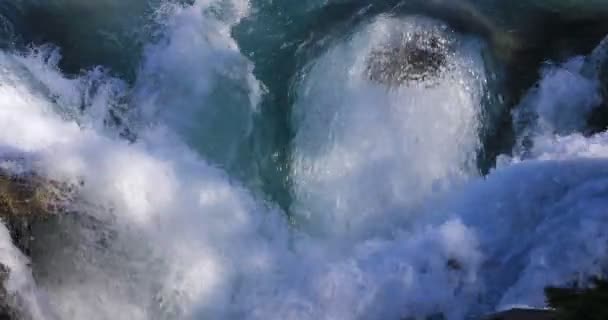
x=196, y=80
x=390, y=219
x=366, y=153
x=139, y=250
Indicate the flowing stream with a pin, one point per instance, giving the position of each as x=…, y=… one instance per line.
x=313, y=159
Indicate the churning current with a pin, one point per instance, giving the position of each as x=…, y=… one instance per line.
x=303, y=160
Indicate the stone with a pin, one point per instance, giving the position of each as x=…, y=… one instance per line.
x=523, y=314
x=419, y=58
x=24, y=199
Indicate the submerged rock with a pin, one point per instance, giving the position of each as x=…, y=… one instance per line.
x=587, y=301
x=418, y=58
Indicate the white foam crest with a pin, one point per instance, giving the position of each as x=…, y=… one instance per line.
x=196, y=80
x=160, y=233
x=561, y=100
x=421, y=273
x=540, y=218
x=365, y=153
x=21, y=292
x=539, y=223
x=571, y=146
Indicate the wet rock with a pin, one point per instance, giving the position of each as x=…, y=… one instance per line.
x=419, y=58
x=7, y=311
x=437, y=316
x=523, y=314
x=586, y=301
x=25, y=199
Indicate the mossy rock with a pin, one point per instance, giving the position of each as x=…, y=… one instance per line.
x=28, y=198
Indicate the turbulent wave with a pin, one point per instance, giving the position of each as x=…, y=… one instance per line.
x=376, y=148
x=389, y=215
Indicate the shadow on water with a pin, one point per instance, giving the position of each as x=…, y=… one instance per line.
x=12, y=23
x=91, y=33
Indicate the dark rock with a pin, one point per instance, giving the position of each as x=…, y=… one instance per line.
x=26, y=199
x=420, y=58
x=454, y=264
x=580, y=302
x=523, y=314
x=437, y=316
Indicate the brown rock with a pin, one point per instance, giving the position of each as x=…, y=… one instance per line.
x=25, y=199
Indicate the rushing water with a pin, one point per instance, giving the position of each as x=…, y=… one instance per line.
x=261, y=159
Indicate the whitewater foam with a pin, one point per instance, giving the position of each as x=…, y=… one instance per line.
x=157, y=231
x=158, y=236
x=366, y=153
x=196, y=80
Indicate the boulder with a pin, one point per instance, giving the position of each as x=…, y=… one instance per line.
x=27, y=198
x=419, y=58
x=523, y=314
x=587, y=301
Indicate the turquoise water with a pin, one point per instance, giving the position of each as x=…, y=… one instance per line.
x=262, y=159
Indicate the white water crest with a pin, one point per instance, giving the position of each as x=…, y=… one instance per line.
x=159, y=234
x=162, y=234
x=196, y=80
x=367, y=153
x=385, y=174
x=540, y=216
